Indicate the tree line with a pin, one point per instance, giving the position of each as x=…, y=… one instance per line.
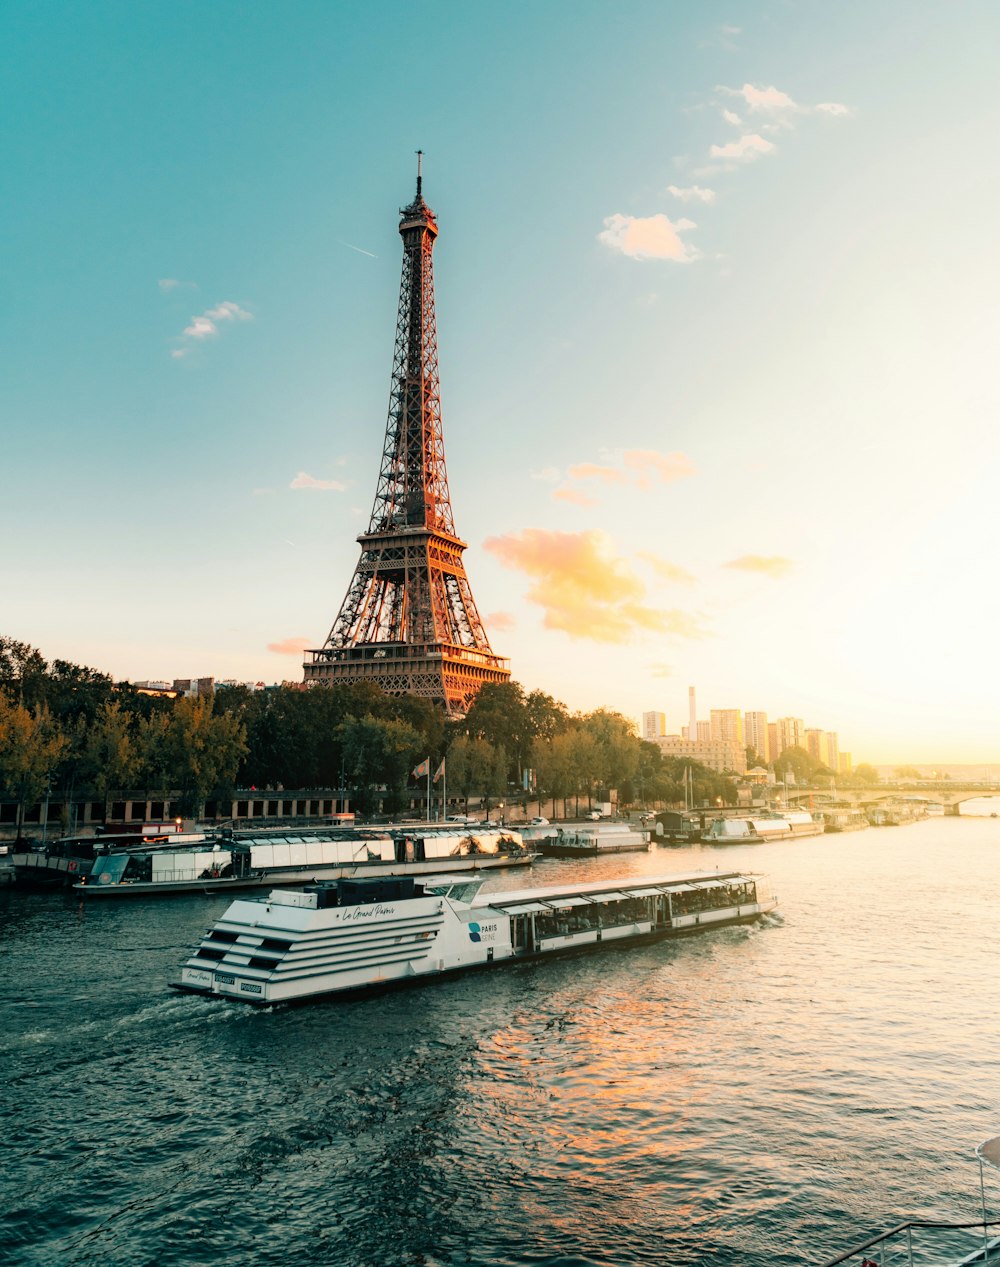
x=73, y=732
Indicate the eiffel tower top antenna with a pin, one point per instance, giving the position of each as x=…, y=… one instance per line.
x=420, y=179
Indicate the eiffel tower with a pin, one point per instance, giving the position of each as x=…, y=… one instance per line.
x=409, y=621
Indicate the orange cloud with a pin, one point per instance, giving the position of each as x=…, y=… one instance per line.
x=290, y=646
x=648, y=237
x=503, y=621
x=666, y=570
x=591, y=471
x=665, y=467
x=768, y=565
x=572, y=495
x=661, y=670
x=584, y=589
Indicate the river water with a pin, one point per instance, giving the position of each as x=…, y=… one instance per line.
x=760, y=1095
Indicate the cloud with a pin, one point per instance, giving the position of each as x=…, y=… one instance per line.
x=647, y=237
x=206, y=325
x=767, y=565
x=836, y=108
x=733, y=118
x=764, y=100
x=289, y=646
x=661, y=670
x=302, y=480
x=591, y=471
x=749, y=147
x=167, y=284
x=572, y=495
x=548, y=474
x=666, y=570
x=639, y=468
x=503, y=622
x=664, y=467
x=583, y=589
x=692, y=193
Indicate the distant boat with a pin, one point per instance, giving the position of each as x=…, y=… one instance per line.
x=742, y=831
x=593, y=838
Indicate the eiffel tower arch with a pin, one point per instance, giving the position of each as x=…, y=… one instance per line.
x=409, y=621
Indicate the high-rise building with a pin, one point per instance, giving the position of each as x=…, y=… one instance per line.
x=654, y=725
x=409, y=621
x=692, y=715
x=844, y=763
x=755, y=734
x=726, y=725
x=790, y=734
x=703, y=732
x=832, y=757
x=814, y=744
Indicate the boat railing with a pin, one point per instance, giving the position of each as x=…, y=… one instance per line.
x=900, y=1245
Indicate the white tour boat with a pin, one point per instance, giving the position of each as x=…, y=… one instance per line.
x=358, y=934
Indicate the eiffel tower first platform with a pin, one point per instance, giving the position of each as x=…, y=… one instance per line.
x=409, y=622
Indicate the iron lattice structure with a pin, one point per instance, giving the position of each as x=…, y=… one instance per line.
x=409, y=621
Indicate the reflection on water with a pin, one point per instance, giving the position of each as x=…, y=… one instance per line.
x=750, y=1095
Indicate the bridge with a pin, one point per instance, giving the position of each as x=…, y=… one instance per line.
x=949, y=795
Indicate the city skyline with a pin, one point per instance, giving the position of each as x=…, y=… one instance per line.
x=715, y=333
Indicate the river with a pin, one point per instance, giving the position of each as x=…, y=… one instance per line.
x=760, y=1095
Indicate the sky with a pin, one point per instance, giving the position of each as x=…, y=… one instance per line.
x=718, y=302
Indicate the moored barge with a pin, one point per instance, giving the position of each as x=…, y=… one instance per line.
x=356, y=935
x=267, y=860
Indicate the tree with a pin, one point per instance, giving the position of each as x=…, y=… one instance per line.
x=865, y=773
x=23, y=671
x=202, y=752
x=110, y=756
x=30, y=746
x=907, y=772
x=379, y=752
x=499, y=715
x=797, y=762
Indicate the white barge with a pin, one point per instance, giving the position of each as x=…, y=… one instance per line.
x=357, y=935
x=258, y=862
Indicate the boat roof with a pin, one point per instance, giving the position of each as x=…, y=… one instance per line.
x=618, y=887
x=989, y=1151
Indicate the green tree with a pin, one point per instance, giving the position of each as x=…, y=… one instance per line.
x=379, y=753
x=30, y=747
x=110, y=754
x=202, y=752
x=797, y=762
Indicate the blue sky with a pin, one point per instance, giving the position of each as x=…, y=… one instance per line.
x=717, y=310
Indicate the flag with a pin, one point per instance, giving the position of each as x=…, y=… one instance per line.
x=423, y=768
x=440, y=770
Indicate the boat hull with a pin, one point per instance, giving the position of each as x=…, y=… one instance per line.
x=553, y=849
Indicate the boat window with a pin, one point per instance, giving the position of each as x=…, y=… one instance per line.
x=109, y=870
x=207, y=952
x=218, y=934
x=259, y=961
x=275, y=943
